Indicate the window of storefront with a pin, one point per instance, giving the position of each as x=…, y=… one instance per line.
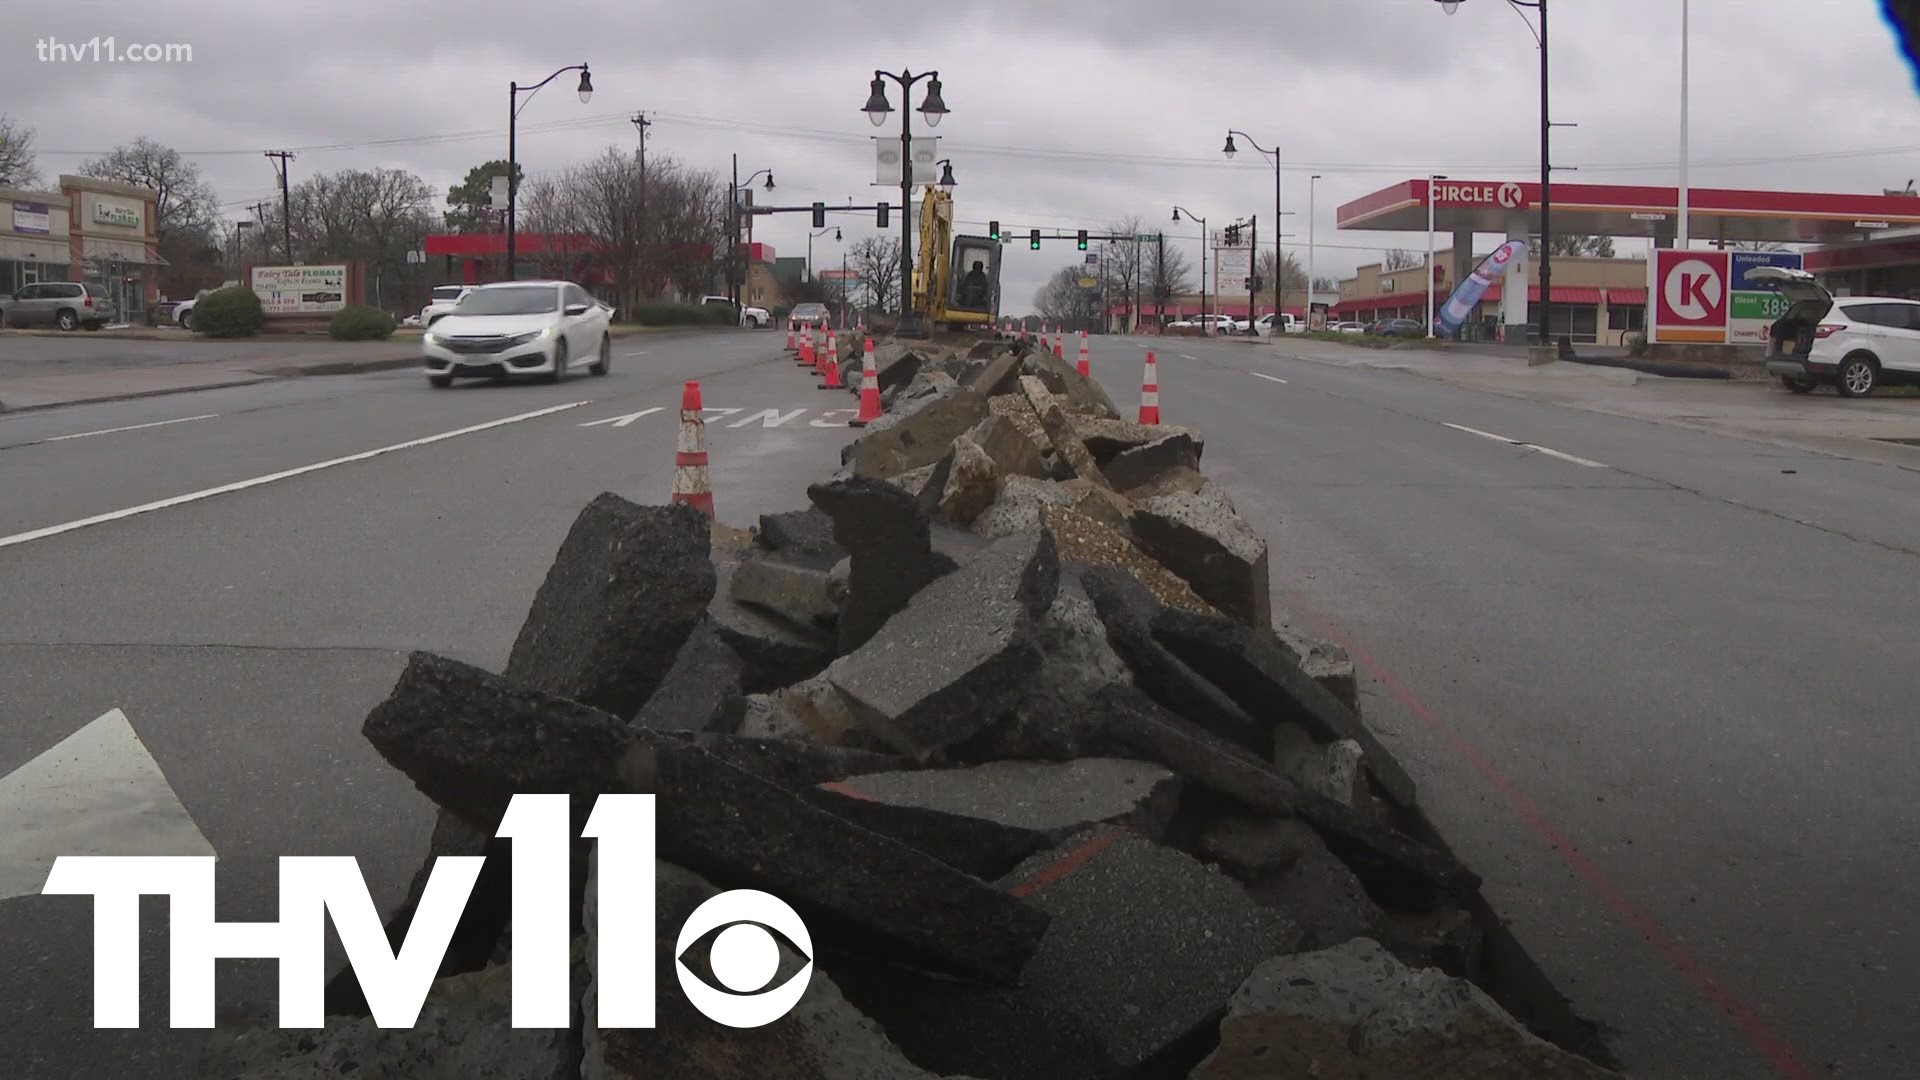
x=1581, y=322
x=1626, y=317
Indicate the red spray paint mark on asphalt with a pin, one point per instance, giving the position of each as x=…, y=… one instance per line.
x=1068, y=863
x=1769, y=1043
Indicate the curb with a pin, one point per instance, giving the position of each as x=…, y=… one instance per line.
x=345, y=367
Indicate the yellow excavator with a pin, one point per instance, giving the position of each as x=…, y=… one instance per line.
x=957, y=282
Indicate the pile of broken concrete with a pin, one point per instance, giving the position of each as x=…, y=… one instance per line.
x=1003, y=716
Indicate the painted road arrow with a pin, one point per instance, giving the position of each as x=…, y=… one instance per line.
x=96, y=792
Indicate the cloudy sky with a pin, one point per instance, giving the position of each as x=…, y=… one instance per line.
x=1064, y=115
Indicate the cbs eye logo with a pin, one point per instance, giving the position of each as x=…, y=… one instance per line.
x=744, y=957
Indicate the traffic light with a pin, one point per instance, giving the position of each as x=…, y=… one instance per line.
x=819, y=215
x=880, y=219
x=1033, y=239
x=1233, y=236
x=1082, y=239
x=993, y=231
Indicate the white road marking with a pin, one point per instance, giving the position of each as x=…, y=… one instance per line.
x=641, y=352
x=1484, y=434
x=833, y=423
x=724, y=413
x=242, y=485
x=1565, y=457
x=129, y=427
x=768, y=418
x=1184, y=356
x=1269, y=378
x=623, y=421
x=96, y=792
x=1547, y=450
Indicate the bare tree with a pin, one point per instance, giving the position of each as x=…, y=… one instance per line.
x=1575, y=245
x=1168, y=271
x=17, y=168
x=1291, y=277
x=1326, y=284
x=184, y=203
x=1399, y=259
x=1125, y=265
x=1756, y=245
x=875, y=262
x=1064, y=300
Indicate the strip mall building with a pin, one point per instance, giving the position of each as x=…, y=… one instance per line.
x=1867, y=245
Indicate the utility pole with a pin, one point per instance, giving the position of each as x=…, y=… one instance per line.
x=1160, y=281
x=733, y=232
x=641, y=124
x=1253, y=268
x=286, y=216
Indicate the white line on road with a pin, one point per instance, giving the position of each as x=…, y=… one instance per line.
x=1269, y=378
x=623, y=421
x=242, y=485
x=1484, y=434
x=641, y=352
x=129, y=427
x=1184, y=356
x=1547, y=450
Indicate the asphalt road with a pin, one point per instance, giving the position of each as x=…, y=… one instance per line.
x=24, y=355
x=1663, y=701
x=245, y=634
x=1660, y=701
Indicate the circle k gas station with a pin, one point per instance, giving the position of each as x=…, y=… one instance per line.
x=1696, y=296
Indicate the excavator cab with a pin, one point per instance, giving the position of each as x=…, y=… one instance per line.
x=974, y=283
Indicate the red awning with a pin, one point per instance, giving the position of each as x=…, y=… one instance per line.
x=1562, y=294
x=1627, y=297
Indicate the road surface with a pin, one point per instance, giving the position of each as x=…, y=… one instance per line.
x=1656, y=685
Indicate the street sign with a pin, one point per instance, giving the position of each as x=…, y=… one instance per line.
x=1230, y=263
x=1093, y=260
x=1690, y=296
x=1145, y=237
x=1638, y=215
x=1753, y=310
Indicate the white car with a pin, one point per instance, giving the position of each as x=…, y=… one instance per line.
x=543, y=328
x=442, y=301
x=1856, y=343
x=181, y=313
x=1288, y=324
x=753, y=318
x=1348, y=327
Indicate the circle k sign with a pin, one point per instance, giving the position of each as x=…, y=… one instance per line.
x=1690, y=295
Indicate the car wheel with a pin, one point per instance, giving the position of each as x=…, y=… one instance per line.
x=1798, y=386
x=600, y=365
x=67, y=320
x=1858, y=375
x=439, y=382
x=186, y=320
x=559, y=371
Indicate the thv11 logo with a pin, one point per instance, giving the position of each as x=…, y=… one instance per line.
x=745, y=956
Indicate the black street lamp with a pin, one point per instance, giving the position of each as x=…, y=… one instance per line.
x=513, y=117
x=1546, y=163
x=1279, y=260
x=934, y=109
x=835, y=230
x=947, y=182
x=1177, y=211
x=733, y=226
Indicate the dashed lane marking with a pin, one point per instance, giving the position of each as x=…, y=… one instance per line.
x=129, y=427
x=1547, y=450
x=285, y=474
x=1269, y=378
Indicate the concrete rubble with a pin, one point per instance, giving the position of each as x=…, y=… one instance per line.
x=1003, y=715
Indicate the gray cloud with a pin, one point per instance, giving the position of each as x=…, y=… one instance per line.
x=1064, y=114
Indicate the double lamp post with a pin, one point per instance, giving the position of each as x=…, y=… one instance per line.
x=934, y=109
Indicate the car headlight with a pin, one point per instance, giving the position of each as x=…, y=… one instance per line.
x=529, y=337
x=430, y=338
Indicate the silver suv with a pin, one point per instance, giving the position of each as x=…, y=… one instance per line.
x=65, y=304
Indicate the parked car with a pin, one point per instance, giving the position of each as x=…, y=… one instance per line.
x=809, y=315
x=1856, y=344
x=1399, y=328
x=753, y=318
x=1348, y=327
x=442, y=302
x=1218, y=324
x=542, y=328
x=1288, y=324
x=65, y=304
x=180, y=312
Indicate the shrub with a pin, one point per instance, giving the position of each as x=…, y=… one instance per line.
x=1636, y=343
x=229, y=312
x=358, y=322
x=659, y=313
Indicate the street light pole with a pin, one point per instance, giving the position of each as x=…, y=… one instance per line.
x=1177, y=211
x=1683, y=232
x=513, y=149
x=1431, y=180
x=733, y=225
x=1311, y=181
x=1279, y=260
x=1546, y=161
x=934, y=108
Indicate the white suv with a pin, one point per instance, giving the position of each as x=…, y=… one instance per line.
x=1856, y=343
x=442, y=301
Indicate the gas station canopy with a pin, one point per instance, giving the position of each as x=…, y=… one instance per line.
x=1487, y=206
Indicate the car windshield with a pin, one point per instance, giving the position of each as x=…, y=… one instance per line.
x=516, y=300
x=810, y=310
x=447, y=292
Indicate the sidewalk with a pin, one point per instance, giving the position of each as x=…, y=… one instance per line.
x=1878, y=428
x=20, y=393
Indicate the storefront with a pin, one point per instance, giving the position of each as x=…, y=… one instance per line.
x=1595, y=301
x=1883, y=267
x=98, y=231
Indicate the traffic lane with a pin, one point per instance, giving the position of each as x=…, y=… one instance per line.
x=347, y=556
x=37, y=354
x=1679, y=696
x=1869, y=500
x=289, y=426
x=263, y=750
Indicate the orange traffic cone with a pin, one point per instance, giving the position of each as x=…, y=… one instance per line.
x=791, y=346
x=1059, y=347
x=831, y=369
x=1086, y=366
x=833, y=350
x=869, y=390
x=691, y=484
x=1150, y=393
